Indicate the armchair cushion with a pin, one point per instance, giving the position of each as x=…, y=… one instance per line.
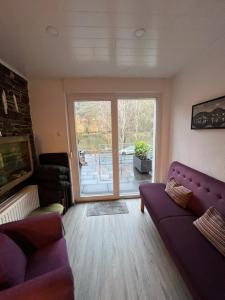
x=12, y=263
x=55, y=254
x=55, y=285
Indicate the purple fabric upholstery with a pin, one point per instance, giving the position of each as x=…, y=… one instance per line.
x=56, y=254
x=12, y=263
x=201, y=265
x=47, y=274
x=36, y=232
x=163, y=207
x=55, y=285
x=207, y=191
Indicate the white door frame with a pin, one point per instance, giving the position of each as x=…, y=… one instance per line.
x=111, y=97
x=74, y=150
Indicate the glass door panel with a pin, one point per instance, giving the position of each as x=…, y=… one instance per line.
x=93, y=128
x=136, y=126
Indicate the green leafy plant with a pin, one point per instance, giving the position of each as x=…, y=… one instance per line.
x=142, y=149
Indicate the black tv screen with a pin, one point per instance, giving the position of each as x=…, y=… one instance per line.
x=15, y=162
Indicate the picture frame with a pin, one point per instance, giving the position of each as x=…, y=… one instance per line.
x=209, y=114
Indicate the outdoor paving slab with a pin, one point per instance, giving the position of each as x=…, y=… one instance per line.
x=126, y=187
x=88, y=177
x=110, y=187
x=87, y=170
x=97, y=175
x=89, y=182
x=129, y=187
x=81, y=188
x=95, y=189
x=144, y=181
x=105, y=181
x=105, y=177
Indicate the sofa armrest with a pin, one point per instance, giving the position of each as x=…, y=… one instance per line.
x=34, y=232
x=55, y=285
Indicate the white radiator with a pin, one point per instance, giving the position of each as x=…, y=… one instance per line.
x=20, y=205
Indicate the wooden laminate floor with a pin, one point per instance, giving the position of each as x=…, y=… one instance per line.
x=120, y=257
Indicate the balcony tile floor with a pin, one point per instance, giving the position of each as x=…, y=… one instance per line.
x=97, y=177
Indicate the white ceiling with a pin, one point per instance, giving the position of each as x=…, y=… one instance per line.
x=96, y=37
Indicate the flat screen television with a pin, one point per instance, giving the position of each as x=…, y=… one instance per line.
x=16, y=163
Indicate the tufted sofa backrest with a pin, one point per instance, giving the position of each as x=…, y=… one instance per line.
x=207, y=191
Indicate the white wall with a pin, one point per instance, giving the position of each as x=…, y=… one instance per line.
x=48, y=109
x=48, y=115
x=203, y=80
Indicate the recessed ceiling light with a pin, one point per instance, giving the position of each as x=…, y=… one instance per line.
x=139, y=32
x=51, y=30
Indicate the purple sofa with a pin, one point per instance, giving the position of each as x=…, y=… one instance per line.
x=33, y=260
x=200, y=264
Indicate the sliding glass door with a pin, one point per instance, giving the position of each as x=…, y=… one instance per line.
x=104, y=133
x=136, y=123
x=94, y=146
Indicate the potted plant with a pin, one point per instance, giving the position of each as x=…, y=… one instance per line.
x=140, y=160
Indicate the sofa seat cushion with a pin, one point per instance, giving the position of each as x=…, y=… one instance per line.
x=202, y=266
x=12, y=263
x=159, y=204
x=47, y=259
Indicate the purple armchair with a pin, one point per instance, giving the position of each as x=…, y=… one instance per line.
x=33, y=260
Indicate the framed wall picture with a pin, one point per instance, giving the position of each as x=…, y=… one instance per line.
x=209, y=114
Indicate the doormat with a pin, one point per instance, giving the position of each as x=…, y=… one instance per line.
x=107, y=208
